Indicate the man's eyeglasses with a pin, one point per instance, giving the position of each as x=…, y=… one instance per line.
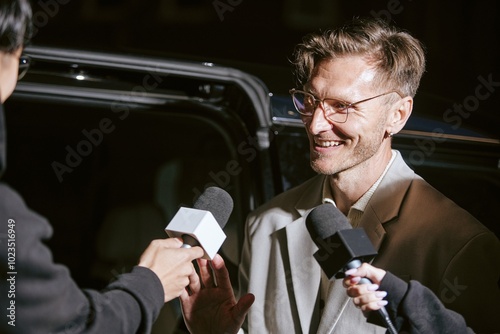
x=335, y=110
x=24, y=65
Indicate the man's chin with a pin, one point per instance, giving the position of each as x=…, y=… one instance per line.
x=321, y=167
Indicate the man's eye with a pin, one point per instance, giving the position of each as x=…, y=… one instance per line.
x=337, y=105
x=308, y=101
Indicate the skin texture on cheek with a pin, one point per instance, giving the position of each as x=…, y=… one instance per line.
x=9, y=63
x=358, y=147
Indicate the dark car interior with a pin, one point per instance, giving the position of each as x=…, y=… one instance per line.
x=111, y=167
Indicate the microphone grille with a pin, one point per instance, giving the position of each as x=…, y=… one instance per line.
x=218, y=202
x=325, y=220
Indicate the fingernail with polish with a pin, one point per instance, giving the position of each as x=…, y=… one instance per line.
x=351, y=271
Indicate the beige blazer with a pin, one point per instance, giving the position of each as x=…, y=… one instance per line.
x=418, y=232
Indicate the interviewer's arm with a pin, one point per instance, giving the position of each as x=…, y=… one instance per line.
x=48, y=300
x=171, y=264
x=413, y=307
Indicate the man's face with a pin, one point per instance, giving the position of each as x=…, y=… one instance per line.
x=337, y=147
x=9, y=65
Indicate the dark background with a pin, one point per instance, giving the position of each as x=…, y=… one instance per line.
x=462, y=38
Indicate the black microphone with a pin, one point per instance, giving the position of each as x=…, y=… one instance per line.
x=202, y=225
x=341, y=247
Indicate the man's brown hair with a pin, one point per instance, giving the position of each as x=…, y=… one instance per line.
x=398, y=57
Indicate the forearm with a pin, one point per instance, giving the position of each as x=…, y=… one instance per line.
x=46, y=299
x=129, y=305
x=469, y=286
x=416, y=309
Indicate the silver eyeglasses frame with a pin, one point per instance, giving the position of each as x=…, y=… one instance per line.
x=327, y=109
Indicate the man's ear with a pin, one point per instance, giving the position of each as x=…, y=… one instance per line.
x=400, y=114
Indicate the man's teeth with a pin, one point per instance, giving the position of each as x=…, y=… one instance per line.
x=328, y=143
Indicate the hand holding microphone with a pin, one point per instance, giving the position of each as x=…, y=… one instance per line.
x=172, y=264
x=208, y=304
x=202, y=225
x=366, y=296
x=341, y=248
x=415, y=307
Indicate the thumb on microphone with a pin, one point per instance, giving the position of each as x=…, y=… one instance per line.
x=171, y=263
x=367, y=270
x=365, y=296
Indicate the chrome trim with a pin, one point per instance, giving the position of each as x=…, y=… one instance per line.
x=403, y=133
x=414, y=133
x=253, y=87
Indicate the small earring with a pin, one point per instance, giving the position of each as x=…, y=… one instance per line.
x=391, y=134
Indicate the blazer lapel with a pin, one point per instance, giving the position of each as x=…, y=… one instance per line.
x=386, y=201
x=335, y=305
x=305, y=272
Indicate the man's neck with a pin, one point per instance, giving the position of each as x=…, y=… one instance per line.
x=348, y=186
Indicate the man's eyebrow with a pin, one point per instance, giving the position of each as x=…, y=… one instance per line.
x=313, y=92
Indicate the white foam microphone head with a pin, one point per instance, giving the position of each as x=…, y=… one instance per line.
x=202, y=225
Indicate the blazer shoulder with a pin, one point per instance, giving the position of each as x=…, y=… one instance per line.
x=430, y=205
x=288, y=199
x=290, y=204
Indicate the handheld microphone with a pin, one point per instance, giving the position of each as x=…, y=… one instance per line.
x=341, y=247
x=202, y=225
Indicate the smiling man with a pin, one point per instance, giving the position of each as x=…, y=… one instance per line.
x=356, y=89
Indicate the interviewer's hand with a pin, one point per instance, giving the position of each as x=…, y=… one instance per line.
x=211, y=307
x=172, y=264
x=365, y=296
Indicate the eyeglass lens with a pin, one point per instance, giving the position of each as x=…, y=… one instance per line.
x=306, y=104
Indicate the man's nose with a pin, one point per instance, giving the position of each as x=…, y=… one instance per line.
x=318, y=122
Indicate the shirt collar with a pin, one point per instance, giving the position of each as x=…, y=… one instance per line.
x=357, y=208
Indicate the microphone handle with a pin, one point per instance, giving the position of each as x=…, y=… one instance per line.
x=382, y=311
x=188, y=241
